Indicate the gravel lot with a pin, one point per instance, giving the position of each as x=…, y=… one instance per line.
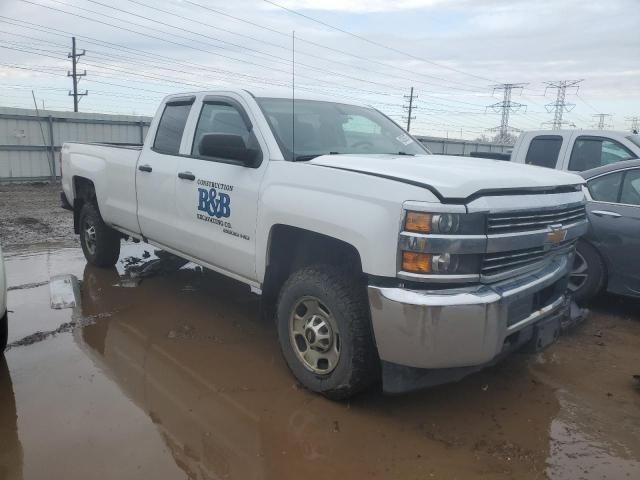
x=31, y=214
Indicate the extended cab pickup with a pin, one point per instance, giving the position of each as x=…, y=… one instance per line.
x=379, y=258
x=575, y=150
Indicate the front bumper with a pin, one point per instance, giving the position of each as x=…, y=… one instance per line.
x=464, y=327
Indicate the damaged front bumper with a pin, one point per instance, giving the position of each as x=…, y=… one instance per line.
x=429, y=337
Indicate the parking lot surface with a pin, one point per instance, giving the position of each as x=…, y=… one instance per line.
x=177, y=375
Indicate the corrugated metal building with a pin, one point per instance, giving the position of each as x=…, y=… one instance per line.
x=445, y=146
x=30, y=143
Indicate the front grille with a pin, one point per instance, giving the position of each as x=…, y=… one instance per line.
x=500, y=262
x=511, y=222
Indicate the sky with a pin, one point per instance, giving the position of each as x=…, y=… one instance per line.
x=452, y=52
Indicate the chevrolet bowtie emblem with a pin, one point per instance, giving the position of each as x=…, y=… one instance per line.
x=556, y=234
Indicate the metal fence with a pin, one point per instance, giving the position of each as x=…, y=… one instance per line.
x=30, y=141
x=445, y=146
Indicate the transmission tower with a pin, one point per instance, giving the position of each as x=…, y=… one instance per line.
x=602, y=124
x=635, y=123
x=505, y=107
x=75, y=58
x=560, y=105
x=410, y=108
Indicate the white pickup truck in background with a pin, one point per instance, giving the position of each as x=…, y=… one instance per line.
x=380, y=259
x=575, y=150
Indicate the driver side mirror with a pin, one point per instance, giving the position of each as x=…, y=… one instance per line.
x=228, y=146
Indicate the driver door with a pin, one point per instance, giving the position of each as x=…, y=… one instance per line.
x=216, y=197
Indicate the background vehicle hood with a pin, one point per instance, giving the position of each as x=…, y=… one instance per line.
x=452, y=177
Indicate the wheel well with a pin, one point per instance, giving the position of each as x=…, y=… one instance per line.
x=603, y=260
x=292, y=248
x=85, y=191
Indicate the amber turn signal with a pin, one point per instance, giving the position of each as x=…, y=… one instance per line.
x=416, y=262
x=418, y=222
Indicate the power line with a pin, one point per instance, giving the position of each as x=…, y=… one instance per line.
x=372, y=42
x=410, y=109
x=174, y=61
x=333, y=60
x=560, y=105
x=505, y=107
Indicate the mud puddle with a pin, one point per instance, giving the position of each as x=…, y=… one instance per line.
x=179, y=377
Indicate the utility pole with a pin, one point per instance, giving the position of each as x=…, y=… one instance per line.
x=602, y=117
x=635, y=123
x=560, y=105
x=505, y=107
x=410, y=108
x=75, y=57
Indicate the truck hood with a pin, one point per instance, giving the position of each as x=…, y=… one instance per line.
x=450, y=177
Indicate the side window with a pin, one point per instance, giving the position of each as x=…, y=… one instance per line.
x=171, y=127
x=592, y=152
x=606, y=188
x=631, y=188
x=220, y=118
x=543, y=151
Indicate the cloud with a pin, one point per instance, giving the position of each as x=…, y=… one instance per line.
x=358, y=6
x=450, y=52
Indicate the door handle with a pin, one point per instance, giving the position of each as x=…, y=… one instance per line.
x=187, y=176
x=145, y=168
x=606, y=213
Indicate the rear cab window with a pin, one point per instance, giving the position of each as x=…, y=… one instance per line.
x=591, y=152
x=544, y=150
x=171, y=126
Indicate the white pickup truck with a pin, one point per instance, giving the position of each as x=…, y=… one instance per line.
x=381, y=260
x=575, y=150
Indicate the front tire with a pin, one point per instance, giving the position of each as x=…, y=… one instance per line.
x=588, y=276
x=100, y=243
x=325, y=331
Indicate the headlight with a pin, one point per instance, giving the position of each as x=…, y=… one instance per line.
x=442, y=243
x=445, y=223
x=440, y=263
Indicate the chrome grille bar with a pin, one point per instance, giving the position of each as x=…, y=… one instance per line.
x=506, y=223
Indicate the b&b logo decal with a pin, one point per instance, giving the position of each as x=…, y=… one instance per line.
x=214, y=203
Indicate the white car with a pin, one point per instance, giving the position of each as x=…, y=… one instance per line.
x=378, y=258
x=4, y=332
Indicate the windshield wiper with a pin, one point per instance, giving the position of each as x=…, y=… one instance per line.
x=303, y=158
x=405, y=153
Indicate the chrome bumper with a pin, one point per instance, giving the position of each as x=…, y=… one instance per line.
x=463, y=327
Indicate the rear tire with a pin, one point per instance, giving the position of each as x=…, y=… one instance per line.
x=4, y=332
x=100, y=243
x=588, y=275
x=325, y=332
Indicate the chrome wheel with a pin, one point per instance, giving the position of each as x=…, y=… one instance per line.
x=314, y=335
x=579, y=273
x=90, y=238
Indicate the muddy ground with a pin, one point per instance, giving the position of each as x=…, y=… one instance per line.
x=177, y=376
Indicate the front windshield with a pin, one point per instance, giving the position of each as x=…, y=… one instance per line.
x=635, y=139
x=322, y=128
